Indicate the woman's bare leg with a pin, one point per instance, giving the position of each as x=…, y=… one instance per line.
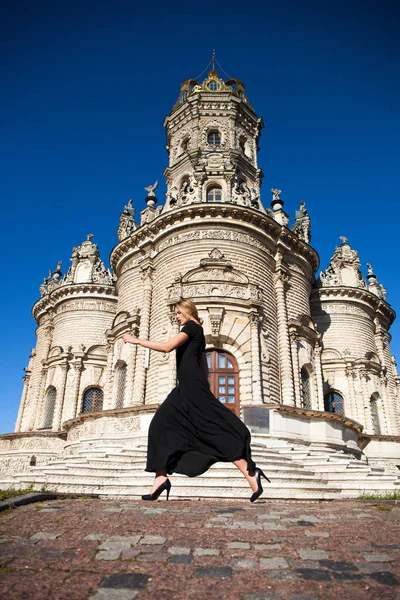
x=159, y=479
x=242, y=466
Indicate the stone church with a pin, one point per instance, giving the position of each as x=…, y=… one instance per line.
x=304, y=361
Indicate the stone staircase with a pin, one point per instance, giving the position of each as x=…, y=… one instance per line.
x=115, y=468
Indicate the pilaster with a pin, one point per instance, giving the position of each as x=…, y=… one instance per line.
x=319, y=375
x=285, y=359
x=25, y=392
x=60, y=396
x=296, y=367
x=254, y=319
x=144, y=330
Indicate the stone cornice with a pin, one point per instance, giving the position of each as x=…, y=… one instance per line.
x=113, y=412
x=381, y=438
x=215, y=214
x=318, y=414
x=357, y=295
x=27, y=434
x=85, y=290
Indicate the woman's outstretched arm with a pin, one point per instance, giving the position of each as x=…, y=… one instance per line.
x=167, y=346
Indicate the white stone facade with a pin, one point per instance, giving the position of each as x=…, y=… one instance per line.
x=319, y=348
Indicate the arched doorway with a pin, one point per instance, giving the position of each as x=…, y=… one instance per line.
x=223, y=377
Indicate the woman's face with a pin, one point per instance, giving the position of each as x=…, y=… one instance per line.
x=181, y=316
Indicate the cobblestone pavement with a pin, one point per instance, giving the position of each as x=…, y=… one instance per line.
x=104, y=549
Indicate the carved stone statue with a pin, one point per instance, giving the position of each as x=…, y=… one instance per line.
x=51, y=281
x=150, y=189
x=302, y=226
x=276, y=194
x=126, y=222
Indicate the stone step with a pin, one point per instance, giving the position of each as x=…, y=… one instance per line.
x=192, y=489
x=359, y=477
x=214, y=477
x=133, y=466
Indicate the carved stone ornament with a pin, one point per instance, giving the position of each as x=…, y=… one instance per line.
x=52, y=281
x=126, y=222
x=373, y=284
x=216, y=316
x=87, y=266
x=343, y=270
x=215, y=278
x=302, y=226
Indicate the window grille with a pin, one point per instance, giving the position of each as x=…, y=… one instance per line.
x=213, y=86
x=214, y=194
x=214, y=138
x=223, y=376
x=305, y=388
x=92, y=400
x=121, y=381
x=50, y=405
x=334, y=403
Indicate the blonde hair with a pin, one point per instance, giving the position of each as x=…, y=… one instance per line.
x=189, y=308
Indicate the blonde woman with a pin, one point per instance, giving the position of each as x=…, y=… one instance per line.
x=192, y=430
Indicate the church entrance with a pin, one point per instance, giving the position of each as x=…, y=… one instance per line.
x=223, y=377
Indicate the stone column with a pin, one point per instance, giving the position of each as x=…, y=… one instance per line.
x=130, y=375
x=37, y=417
x=318, y=375
x=25, y=392
x=285, y=359
x=296, y=367
x=144, y=330
x=78, y=368
x=172, y=355
x=34, y=401
x=254, y=319
x=368, y=422
x=353, y=412
x=382, y=403
x=108, y=387
x=60, y=397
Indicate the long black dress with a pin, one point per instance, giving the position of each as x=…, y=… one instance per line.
x=192, y=430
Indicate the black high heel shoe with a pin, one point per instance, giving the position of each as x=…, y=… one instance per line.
x=161, y=488
x=258, y=474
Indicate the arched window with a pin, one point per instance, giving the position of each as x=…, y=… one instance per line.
x=184, y=145
x=213, y=86
x=214, y=194
x=305, y=388
x=185, y=183
x=333, y=402
x=223, y=377
x=214, y=137
x=374, y=402
x=121, y=381
x=92, y=400
x=50, y=404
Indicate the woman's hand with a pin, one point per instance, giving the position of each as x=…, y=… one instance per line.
x=130, y=339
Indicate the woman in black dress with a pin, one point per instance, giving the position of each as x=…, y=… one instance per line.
x=192, y=430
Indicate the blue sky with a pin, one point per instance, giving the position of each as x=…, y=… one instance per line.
x=85, y=88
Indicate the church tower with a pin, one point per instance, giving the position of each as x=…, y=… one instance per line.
x=212, y=143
